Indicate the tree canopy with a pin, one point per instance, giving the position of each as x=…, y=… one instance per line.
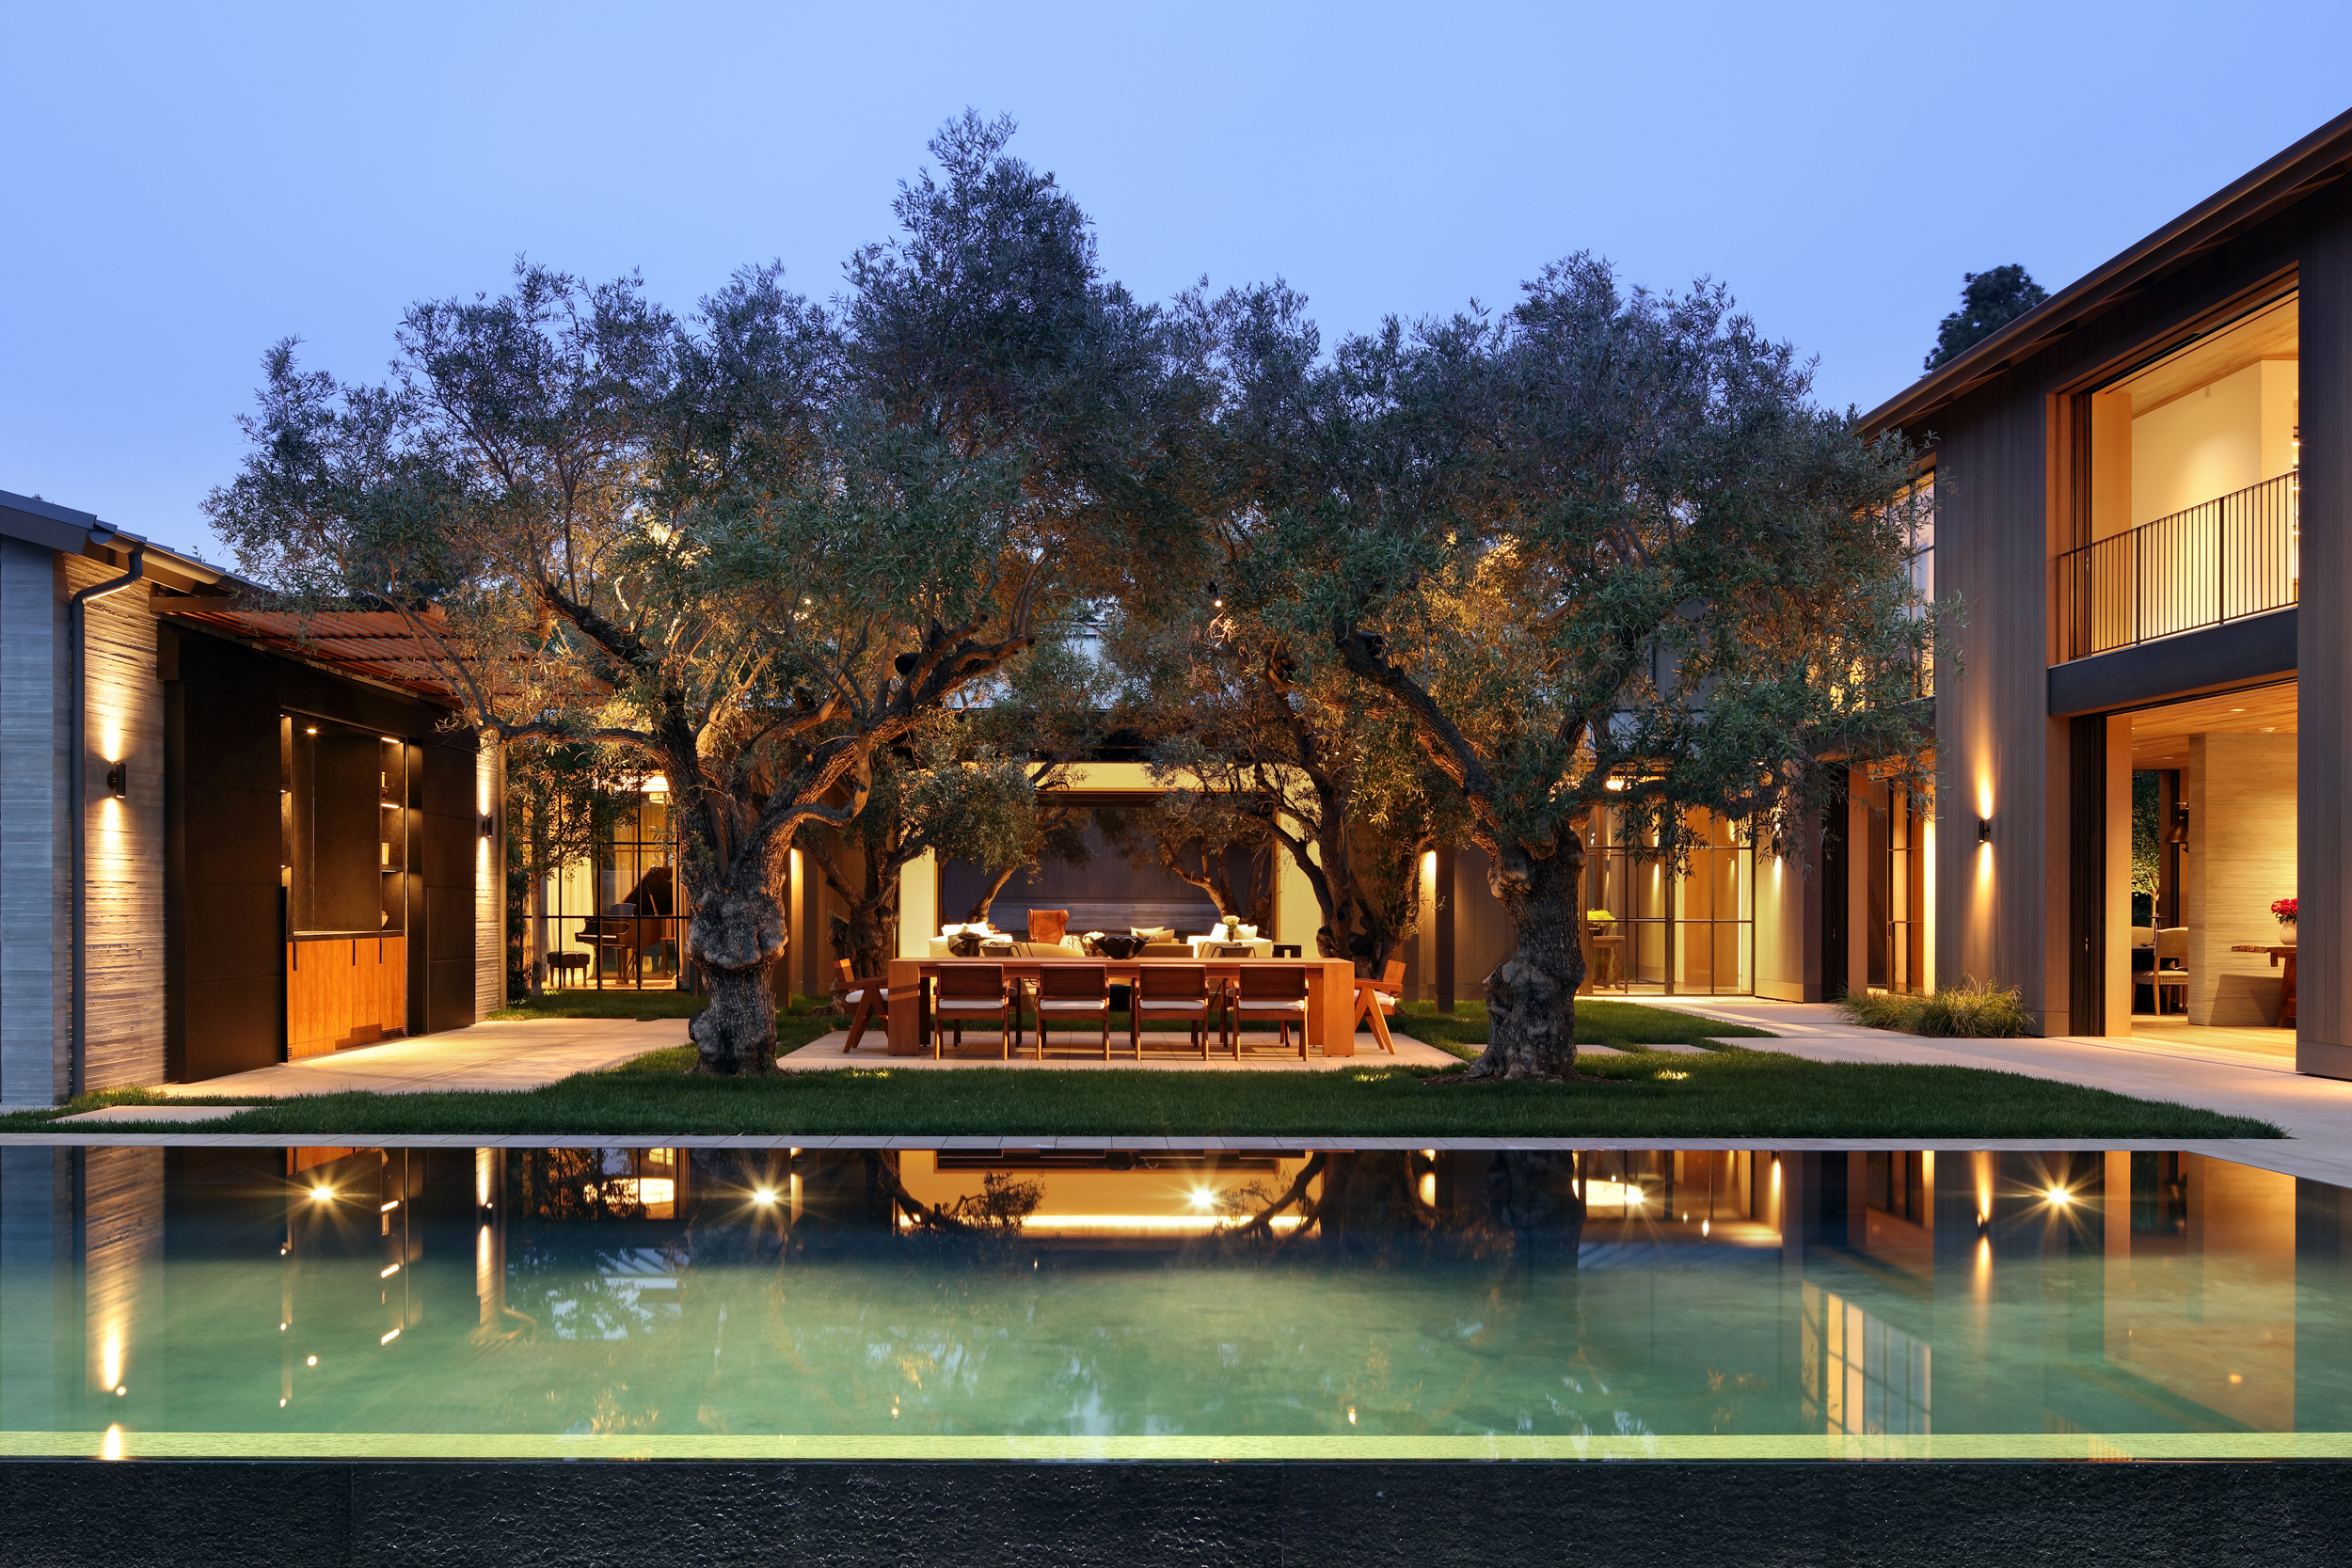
x=1988, y=302
x=747, y=546
x=1538, y=580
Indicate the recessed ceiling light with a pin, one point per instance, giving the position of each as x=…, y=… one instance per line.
x=2238, y=710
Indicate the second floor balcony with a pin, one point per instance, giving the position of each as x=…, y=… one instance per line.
x=2218, y=560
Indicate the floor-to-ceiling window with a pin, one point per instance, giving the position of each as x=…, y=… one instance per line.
x=1656, y=926
x=617, y=918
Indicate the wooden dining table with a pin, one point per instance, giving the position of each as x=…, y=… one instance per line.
x=1330, y=991
x=2279, y=953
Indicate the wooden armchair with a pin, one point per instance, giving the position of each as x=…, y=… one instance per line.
x=868, y=1001
x=1377, y=999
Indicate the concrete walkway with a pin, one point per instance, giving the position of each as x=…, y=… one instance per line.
x=522, y=1053
x=2316, y=1112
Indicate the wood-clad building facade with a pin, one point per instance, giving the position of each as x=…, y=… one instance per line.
x=2142, y=489
x=244, y=810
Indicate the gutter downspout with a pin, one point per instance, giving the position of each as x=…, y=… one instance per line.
x=76, y=771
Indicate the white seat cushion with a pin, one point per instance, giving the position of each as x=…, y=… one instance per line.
x=860, y=996
x=1073, y=1004
x=1171, y=1004
x=969, y=1005
x=1264, y=1005
x=1384, y=999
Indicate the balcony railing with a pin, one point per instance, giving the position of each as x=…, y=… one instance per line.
x=2220, y=560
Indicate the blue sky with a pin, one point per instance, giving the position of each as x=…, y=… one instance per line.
x=183, y=185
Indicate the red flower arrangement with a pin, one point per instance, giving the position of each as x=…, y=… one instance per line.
x=2284, y=909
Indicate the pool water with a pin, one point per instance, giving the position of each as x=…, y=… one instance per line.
x=675, y=1303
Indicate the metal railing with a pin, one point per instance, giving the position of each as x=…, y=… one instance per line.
x=2218, y=560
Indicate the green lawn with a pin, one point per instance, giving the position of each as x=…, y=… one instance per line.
x=1729, y=1093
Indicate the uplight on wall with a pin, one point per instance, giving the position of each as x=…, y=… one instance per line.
x=1984, y=829
x=119, y=780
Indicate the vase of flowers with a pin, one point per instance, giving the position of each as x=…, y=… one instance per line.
x=2284, y=909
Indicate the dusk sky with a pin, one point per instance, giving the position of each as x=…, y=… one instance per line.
x=185, y=185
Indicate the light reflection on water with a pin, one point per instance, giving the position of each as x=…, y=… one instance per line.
x=1642, y=1298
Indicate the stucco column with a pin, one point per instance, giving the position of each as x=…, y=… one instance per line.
x=2322, y=1040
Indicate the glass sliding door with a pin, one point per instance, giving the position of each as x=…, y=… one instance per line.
x=1651, y=928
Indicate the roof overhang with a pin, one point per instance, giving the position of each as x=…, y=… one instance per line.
x=379, y=645
x=85, y=533
x=2318, y=159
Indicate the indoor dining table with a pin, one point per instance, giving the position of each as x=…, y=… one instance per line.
x=2286, y=987
x=1330, y=991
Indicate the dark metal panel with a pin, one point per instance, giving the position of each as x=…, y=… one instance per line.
x=2322, y=1031
x=2237, y=654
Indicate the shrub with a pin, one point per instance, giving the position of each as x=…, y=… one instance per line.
x=1971, y=1010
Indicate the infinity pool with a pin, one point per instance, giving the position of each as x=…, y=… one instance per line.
x=702, y=1302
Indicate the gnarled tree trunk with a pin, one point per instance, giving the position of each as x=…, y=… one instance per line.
x=737, y=934
x=1530, y=999
x=979, y=912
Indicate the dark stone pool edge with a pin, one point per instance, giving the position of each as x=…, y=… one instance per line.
x=328, y=1515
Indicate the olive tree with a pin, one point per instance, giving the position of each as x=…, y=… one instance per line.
x=1607, y=560
x=750, y=546
x=929, y=796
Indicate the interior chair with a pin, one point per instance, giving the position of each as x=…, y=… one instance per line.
x=1377, y=999
x=1074, y=991
x=970, y=992
x=2171, y=951
x=1271, y=993
x=1048, y=925
x=1174, y=992
x=868, y=1001
x=1228, y=950
x=1166, y=950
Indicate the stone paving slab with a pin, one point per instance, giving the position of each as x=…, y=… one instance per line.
x=519, y=1053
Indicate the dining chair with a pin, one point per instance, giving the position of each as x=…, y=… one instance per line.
x=868, y=1000
x=2173, y=950
x=971, y=992
x=1175, y=991
x=1271, y=992
x=1377, y=999
x=1074, y=991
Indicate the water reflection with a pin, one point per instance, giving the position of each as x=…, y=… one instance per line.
x=1880, y=1295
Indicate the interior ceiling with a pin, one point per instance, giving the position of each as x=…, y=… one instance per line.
x=2160, y=735
x=2270, y=333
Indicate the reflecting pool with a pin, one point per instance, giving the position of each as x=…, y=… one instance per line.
x=731, y=1302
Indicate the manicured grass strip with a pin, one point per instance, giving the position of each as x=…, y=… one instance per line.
x=637, y=1004
x=1727, y=1093
x=1626, y=1025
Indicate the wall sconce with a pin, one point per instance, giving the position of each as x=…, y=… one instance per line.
x=1984, y=829
x=489, y=826
x=119, y=780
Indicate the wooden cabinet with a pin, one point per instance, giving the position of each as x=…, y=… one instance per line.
x=344, y=990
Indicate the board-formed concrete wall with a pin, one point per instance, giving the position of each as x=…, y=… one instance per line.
x=36, y=964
